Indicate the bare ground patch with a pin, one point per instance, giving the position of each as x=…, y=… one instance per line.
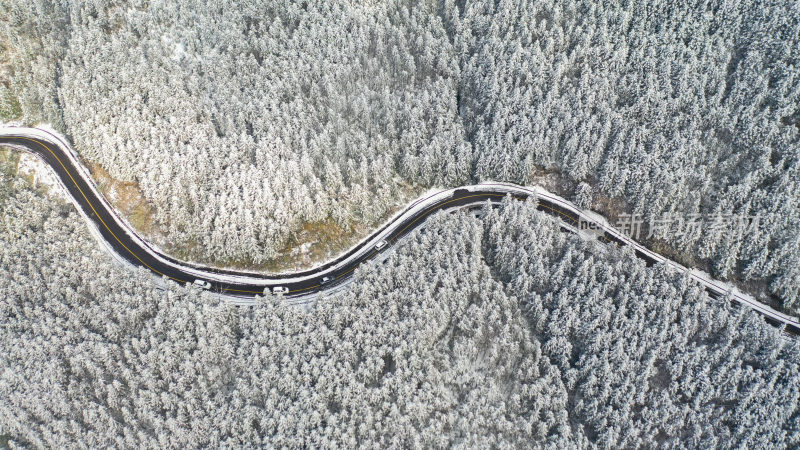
x=317, y=242
x=127, y=198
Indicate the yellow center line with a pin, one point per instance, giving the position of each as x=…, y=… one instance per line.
x=555, y=210
x=428, y=211
x=246, y=291
x=95, y=211
x=437, y=206
x=354, y=268
x=305, y=289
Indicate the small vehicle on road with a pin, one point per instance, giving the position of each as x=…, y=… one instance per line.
x=381, y=244
x=325, y=280
x=202, y=284
x=280, y=290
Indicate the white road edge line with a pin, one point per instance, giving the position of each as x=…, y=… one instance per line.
x=49, y=135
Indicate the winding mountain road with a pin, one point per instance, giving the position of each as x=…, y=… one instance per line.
x=242, y=286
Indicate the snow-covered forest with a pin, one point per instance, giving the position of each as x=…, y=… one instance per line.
x=242, y=121
x=477, y=332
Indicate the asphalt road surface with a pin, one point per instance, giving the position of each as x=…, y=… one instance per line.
x=243, y=284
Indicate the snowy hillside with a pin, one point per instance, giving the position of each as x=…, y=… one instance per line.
x=250, y=128
x=463, y=338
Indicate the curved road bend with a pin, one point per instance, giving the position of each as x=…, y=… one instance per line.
x=242, y=284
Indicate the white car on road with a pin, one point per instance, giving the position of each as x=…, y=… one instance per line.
x=202, y=284
x=280, y=290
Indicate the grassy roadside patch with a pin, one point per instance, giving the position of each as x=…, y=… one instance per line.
x=9, y=105
x=10, y=108
x=316, y=242
x=126, y=198
x=9, y=162
x=311, y=244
